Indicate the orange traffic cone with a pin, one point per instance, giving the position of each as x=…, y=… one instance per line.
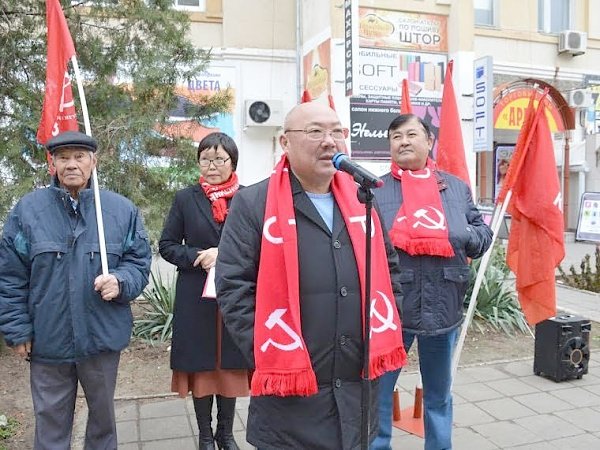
x=410, y=419
x=396, y=413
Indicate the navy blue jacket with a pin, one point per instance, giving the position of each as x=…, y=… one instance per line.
x=434, y=287
x=49, y=258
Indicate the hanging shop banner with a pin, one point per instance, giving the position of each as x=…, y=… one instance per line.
x=588, y=223
x=403, y=30
x=509, y=112
x=317, y=69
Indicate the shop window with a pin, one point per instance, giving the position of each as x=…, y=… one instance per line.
x=486, y=12
x=554, y=16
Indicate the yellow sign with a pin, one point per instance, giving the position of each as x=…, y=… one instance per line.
x=509, y=112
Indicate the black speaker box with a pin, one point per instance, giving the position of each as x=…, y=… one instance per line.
x=562, y=350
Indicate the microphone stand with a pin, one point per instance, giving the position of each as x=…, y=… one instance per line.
x=365, y=196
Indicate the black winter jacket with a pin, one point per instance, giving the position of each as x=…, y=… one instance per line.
x=434, y=287
x=331, y=322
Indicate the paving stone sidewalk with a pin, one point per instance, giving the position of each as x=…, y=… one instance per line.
x=499, y=405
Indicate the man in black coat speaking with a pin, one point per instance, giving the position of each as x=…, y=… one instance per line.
x=290, y=281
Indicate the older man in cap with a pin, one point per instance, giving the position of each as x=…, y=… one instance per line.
x=56, y=307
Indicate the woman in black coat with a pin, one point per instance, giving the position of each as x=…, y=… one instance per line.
x=204, y=359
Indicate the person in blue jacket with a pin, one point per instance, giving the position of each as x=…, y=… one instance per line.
x=57, y=309
x=435, y=228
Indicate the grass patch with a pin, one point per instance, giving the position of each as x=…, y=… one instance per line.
x=8, y=428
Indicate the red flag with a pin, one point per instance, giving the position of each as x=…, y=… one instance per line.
x=58, y=112
x=536, y=242
x=306, y=97
x=525, y=136
x=331, y=102
x=405, y=105
x=451, y=151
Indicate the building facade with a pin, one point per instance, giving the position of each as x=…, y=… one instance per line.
x=269, y=51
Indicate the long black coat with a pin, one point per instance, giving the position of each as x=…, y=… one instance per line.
x=330, y=316
x=190, y=227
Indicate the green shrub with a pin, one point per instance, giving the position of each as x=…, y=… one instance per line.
x=156, y=323
x=8, y=427
x=497, y=304
x=587, y=279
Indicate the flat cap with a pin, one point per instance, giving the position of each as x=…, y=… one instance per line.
x=72, y=139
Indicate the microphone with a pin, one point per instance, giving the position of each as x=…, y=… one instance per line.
x=361, y=175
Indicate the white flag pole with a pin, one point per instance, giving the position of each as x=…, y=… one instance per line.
x=497, y=219
x=88, y=131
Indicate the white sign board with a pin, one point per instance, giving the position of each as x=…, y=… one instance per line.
x=588, y=224
x=483, y=108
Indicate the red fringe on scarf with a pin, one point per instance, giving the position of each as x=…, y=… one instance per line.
x=386, y=363
x=437, y=247
x=284, y=384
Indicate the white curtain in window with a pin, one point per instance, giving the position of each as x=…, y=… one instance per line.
x=554, y=16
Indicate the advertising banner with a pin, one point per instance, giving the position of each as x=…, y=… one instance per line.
x=370, y=118
x=381, y=73
x=317, y=70
x=403, y=30
x=395, y=45
x=211, y=81
x=502, y=161
x=378, y=91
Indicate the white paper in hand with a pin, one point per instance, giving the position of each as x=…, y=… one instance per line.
x=210, y=291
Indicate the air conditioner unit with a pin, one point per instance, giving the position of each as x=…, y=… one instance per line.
x=580, y=98
x=572, y=42
x=263, y=113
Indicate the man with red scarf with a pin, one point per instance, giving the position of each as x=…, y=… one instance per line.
x=435, y=227
x=290, y=281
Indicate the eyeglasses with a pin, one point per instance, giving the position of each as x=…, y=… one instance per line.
x=218, y=162
x=318, y=134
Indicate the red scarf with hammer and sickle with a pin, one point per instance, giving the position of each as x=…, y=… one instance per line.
x=420, y=228
x=283, y=366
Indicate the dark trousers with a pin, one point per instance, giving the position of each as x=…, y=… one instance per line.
x=54, y=390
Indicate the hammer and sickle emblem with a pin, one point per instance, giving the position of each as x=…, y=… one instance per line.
x=387, y=321
x=430, y=222
x=267, y=233
x=363, y=222
x=275, y=319
x=558, y=201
